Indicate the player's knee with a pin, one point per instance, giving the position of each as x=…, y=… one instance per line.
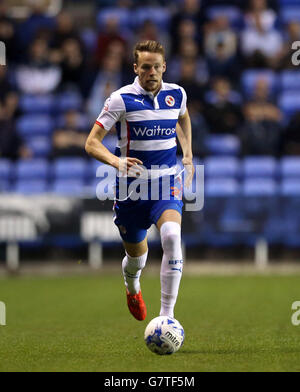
x=170, y=237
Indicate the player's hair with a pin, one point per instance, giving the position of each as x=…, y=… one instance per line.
x=148, y=46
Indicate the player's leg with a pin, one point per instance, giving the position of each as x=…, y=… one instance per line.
x=169, y=226
x=133, y=264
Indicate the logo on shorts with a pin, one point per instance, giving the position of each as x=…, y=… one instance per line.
x=170, y=101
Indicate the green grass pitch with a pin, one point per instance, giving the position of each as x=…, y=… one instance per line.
x=81, y=323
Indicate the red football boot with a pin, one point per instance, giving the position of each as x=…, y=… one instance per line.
x=136, y=305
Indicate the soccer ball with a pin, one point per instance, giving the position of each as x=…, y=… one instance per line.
x=164, y=335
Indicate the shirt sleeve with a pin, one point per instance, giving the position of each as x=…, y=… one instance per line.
x=183, y=103
x=113, y=110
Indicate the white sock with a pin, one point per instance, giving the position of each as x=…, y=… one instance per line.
x=132, y=268
x=171, y=266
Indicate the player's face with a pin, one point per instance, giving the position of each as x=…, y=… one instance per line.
x=150, y=69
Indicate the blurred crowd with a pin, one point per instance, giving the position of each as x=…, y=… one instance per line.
x=211, y=54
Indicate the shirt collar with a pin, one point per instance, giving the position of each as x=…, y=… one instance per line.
x=140, y=89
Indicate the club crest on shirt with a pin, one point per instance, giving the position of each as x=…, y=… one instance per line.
x=170, y=101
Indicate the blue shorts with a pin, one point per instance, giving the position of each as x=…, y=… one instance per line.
x=134, y=217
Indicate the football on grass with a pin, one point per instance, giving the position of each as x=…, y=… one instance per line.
x=164, y=335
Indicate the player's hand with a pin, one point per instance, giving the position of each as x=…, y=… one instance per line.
x=189, y=171
x=130, y=166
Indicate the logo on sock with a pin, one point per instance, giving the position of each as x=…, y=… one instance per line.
x=175, y=262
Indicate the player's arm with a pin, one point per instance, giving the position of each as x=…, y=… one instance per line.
x=184, y=133
x=95, y=148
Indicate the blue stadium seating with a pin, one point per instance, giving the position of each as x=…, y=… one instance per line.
x=4, y=185
x=251, y=76
x=38, y=104
x=123, y=15
x=70, y=168
x=259, y=166
x=290, y=207
x=68, y=187
x=158, y=15
x=290, y=167
x=289, y=102
x=233, y=14
x=223, y=144
x=290, y=80
x=257, y=186
x=69, y=100
x=222, y=166
x=29, y=125
x=5, y=169
x=30, y=187
x=40, y=146
x=33, y=169
x=290, y=13
x=220, y=187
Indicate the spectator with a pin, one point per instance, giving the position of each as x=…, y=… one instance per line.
x=291, y=137
x=11, y=145
x=72, y=65
x=108, y=79
x=260, y=42
x=186, y=31
x=64, y=30
x=221, y=49
x=8, y=34
x=292, y=34
x=189, y=11
x=38, y=24
x=108, y=36
x=39, y=75
x=69, y=140
x=8, y=96
x=259, y=8
x=188, y=51
x=261, y=131
x=222, y=111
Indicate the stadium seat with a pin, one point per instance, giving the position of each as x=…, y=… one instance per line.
x=36, y=104
x=33, y=169
x=69, y=100
x=290, y=167
x=30, y=187
x=40, y=146
x=288, y=2
x=4, y=186
x=68, y=187
x=158, y=15
x=30, y=125
x=290, y=80
x=223, y=144
x=257, y=186
x=217, y=187
x=251, y=76
x=221, y=167
x=259, y=166
x=290, y=207
x=123, y=15
x=232, y=13
x=290, y=13
x=289, y=102
x=5, y=169
x=70, y=168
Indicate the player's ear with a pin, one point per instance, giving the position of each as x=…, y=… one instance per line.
x=135, y=68
x=164, y=67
